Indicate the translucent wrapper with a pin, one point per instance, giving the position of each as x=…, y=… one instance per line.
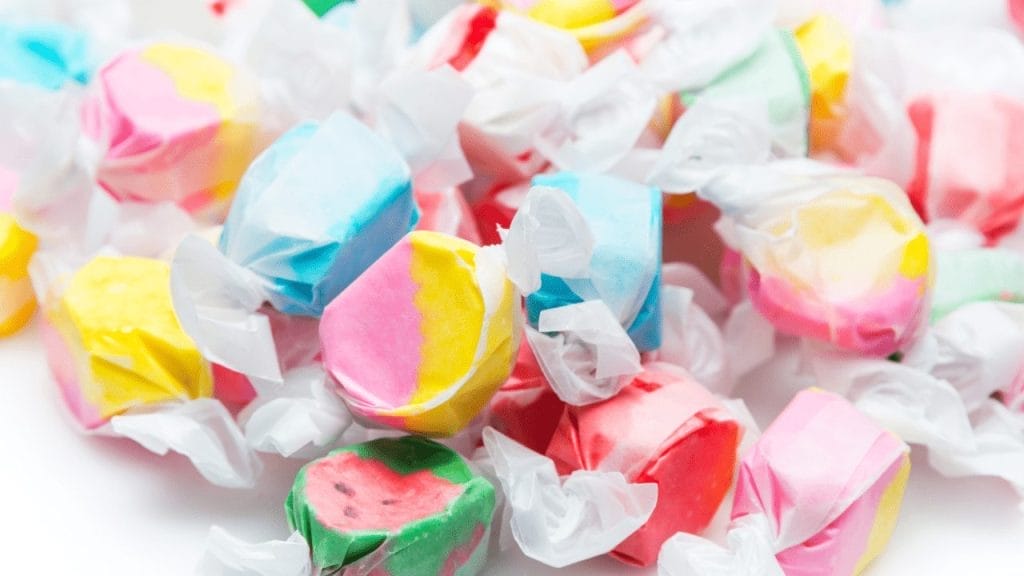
x=535, y=99
x=44, y=55
x=594, y=23
x=448, y=341
x=976, y=275
x=313, y=212
x=405, y=506
x=910, y=120
x=561, y=521
x=525, y=408
x=777, y=72
x=680, y=438
x=826, y=46
x=17, y=302
x=226, y=555
x=825, y=519
x=625, y=268
x=447, y=211
x=844, y=260
x=173, y=122
x=119, y=355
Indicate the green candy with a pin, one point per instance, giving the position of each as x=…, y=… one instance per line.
x=407, y=506
x=976, y=275
x=321, y=7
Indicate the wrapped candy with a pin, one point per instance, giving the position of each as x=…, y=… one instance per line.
x=17, y=302
x=844, y=260
x=827, y=50
x=625, y=269
x=446, y=211
x=679, y=437
x=404, y=506
x=525, y=408
x=966, y=169
x=975, y=275
x=777, y=73
x=44, y=55
x=113, y=342
x=829, y=519
x=312, y=214
x=593, y=22
x=448, y=339
x=173, y=122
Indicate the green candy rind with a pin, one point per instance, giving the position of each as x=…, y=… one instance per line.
x=976, y=275
x=421, y=547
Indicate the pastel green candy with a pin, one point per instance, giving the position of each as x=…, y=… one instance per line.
x=321, y=7
x=407, y=506
x=976, y=275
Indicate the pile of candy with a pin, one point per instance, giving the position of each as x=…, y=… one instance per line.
x=419, y=244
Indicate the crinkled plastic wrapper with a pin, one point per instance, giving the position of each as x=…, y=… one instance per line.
x=113, y=341
x=17, y=301
x=665, y=429
x=46, y=55
x=423, y=339
x=405, y=506
x=173, y=122
x=830, y=482
x=316, y=209
x=842, y=260
x=625, y=269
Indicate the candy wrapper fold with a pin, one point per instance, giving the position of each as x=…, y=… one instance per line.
x=692, y=340
x=201, y=430
x=563, y=521
x=302, y=418
x=749, y=551
x=226, y=555
x=589, y=358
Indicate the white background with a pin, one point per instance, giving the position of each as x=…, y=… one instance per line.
x=93, y=506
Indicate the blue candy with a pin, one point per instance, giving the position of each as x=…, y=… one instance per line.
x=46, y=55
x=625, y=271
x=316, y=209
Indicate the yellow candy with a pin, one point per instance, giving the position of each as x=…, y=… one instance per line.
x=827, y=51
x=594, y=23
x=17, y=302
x=117, y=344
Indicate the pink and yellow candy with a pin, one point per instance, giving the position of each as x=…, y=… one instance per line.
x=423, y=339
x=113, y=342
x=850, y=265
x=17, y=302
x=175, y=123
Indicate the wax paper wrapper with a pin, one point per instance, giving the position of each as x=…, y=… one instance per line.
x=843, y=260
x=46, y=55
x=447, y=343
x=173, y=122
x=680, y=438
x=313, y=212
x=393, y=506
x=594, y=23
x=945, y=132
x=525, y=408
x=825, y=519
x=534, y=98
x=625, y=267
x=447, y=211
x=226, y=555
x=119, y=356
x=775, y=70
x=563, y=520
x=17, y=302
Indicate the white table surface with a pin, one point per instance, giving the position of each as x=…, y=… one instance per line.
x=93, y=506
